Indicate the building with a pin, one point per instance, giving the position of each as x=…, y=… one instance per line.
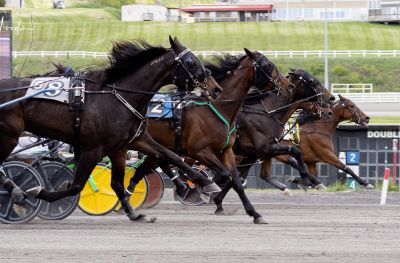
x=385, y=11
x=142, y=12
x=15, y=3
x=228, y=12
x=315, y=9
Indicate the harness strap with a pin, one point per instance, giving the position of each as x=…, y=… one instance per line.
x=219, y=115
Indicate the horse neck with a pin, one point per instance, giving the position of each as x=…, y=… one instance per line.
x=328, y=126
x=235, y=88
x=274, y=102
x=149, y=78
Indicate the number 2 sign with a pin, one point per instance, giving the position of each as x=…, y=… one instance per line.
x=352, y=157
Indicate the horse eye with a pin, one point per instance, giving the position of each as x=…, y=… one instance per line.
x=190, y=63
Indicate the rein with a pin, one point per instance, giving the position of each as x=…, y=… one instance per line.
x=257, y=111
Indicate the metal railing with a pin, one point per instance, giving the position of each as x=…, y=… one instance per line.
x=353, y=87
x=277, y=53
x=374, y=97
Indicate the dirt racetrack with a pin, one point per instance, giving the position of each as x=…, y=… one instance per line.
x=306, y=227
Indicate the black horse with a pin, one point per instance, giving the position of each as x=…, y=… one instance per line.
x=116, y=100
x=261, y=122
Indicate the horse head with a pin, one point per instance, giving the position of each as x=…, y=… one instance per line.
x=310, y=89
x=350, y=111
x=190, y=74
x=267, y=76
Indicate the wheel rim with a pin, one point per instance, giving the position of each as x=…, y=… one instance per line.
x=156, y=190
x=57, y=175
x=139, y=196
x=104, y=200
x=26, y=178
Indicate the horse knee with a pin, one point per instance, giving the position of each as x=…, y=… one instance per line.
x=295, y=151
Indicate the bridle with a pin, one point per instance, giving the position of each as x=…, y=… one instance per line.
x=355, y=112
x=182, y=60
x=276, y=82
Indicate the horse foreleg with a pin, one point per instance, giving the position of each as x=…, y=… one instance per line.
x=279, y=149
x=265, y=175
x=147, y=145
x=87, y=161
x=334, y=161
x=118, y=160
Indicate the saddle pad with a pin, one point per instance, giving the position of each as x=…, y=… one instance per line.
x=161, y=105
x=58, y=83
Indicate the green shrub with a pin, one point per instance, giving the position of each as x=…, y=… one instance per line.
x=2, y=3
x=340, y=70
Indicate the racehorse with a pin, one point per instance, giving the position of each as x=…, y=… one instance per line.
x=260, y=124
x=316, y=142
x=208, y=133
x=116, y=99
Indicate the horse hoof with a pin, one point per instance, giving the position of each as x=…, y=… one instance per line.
x=260, y=221
x=369, y=187
x=303, y=187
x=211, y=188
x=320, y=187
x=140, y=218
x=220, y=212
x=18, y=195
x=287, y=192
x=33, y=192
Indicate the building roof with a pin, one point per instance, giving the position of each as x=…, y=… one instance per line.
x=227, y=7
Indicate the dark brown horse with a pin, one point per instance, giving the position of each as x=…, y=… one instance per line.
x=260, y=125
x=115, y=102
x=208, y=133
x=316, y=139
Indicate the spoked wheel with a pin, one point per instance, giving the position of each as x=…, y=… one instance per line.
x=26, y=178
x=58, y=176
x=138, y=196
x=192, y=195
x=97, y=197
x=156, y=190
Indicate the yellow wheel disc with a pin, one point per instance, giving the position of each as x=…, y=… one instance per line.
x=141, y=190
x=99, y=199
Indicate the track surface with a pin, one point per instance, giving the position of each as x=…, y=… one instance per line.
x=307, y=227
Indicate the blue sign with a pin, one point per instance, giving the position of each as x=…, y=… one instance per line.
x=352, y=157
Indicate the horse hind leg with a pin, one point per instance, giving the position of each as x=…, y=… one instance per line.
x=8, y=143
x=117, y=184
x=265, y=175
x=87, y=162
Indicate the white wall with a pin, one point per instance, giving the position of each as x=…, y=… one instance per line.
x=141, y=12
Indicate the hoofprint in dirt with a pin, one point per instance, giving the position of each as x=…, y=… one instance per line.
x=306, y=227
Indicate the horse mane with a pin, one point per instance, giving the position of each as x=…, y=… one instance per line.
x=127, y=57
x=224, y=65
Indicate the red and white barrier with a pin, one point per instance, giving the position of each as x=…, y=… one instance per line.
x=385, y=186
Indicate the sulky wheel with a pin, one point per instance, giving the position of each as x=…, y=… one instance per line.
x=156, y=190
x=97, y=197
x=26, y=178
x=192, y=195
x=57, y=176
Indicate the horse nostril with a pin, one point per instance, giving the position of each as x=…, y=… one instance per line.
x=217, y=90
x=332, y=98
x=330, y=113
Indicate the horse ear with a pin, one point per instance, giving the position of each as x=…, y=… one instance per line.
x=172, y=42
x=249, y=53
x=292, y=74
x=292, y=70
x=341, y=97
